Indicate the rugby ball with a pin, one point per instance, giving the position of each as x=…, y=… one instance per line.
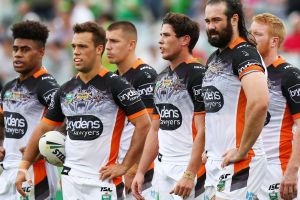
x=52, y=147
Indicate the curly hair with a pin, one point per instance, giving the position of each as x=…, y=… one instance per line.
x=31, y=30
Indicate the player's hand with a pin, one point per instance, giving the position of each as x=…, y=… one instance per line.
x=137, y=185
x=22, y=176
x=288, y=186
x=112, y=171
x=2, y=153
x=232, y=156
x=183, y=187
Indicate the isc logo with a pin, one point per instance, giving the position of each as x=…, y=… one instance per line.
x=105, y=189
x=274, y=186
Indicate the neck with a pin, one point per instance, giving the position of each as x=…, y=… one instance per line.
x=126, y=64
x=23, y=77
x=183, y=56
x=270, y=57
x=87, y=76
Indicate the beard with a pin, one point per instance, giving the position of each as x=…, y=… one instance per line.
x=220, y=39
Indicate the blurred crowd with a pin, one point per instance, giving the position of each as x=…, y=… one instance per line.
x=60, y=15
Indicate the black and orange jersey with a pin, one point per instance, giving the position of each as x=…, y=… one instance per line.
x=23, y=104
x=177, y=98
x=225, y=100
x=284, y=107
x=142, y=77
x=95, y=115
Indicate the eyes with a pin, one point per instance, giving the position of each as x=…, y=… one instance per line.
x=23, y=49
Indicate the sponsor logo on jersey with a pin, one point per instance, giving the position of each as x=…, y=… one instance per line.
x=146, y=90
x=294, y=92
x=49, y=95
x=47, y=77
x=129, y=97
x=15, y=125
x=213, y=99
x=197, y=91
x=170, y=116
x=84, y=127
x=246, y=64
x=16, y=96
x=274, y=195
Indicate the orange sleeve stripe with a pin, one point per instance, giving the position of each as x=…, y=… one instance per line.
x=40, y=72
x=137, y=114
x=149, y=110
x=103, y=71
x=251, y=68
x=155, y=116
x=199, y=113
x=1, y=111
x=50, y=122
x=296, y=116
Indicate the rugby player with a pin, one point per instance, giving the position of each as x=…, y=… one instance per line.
x=284, y=111
x=23, y=103
x=178, y=111
x=94, y=104
x=121, y=43
x=235, y=95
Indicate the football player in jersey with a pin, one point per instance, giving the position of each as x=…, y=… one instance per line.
x=95, y=104
x=178, y=111
x=284, y=111
x=235, y=95
x=121, y=43
x=23, y=102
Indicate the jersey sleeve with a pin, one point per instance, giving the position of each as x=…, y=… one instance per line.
x=127, y=98
x=54, y=115
x=195, y=88
x=46, y=89
x=246, y=60
x=144, y=85
x=291, y=90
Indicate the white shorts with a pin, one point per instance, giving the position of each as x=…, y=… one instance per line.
x=79, y=188
x=8, y=190
x=270, y=188
x=164, y=180
x=225, y=184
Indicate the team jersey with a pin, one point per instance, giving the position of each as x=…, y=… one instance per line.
x=177, y=98
x=142, y=77
x=23, y=104
x=95, y=115
x=284, y=106
x=225, y=101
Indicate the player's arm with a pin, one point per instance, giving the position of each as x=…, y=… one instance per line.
x=289, y=183
x=31, y=151
x=149, y=154
x=290, y=82
x=186, y=184
x=255, y=89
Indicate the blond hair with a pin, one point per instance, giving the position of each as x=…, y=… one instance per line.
x=276, y=26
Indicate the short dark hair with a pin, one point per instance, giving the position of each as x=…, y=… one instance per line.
x=32, y=30
x=92, y=27
x=236, y=7
x=125, y=26
x=183, y=25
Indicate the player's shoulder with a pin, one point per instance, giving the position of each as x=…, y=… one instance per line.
x=9, y=84
x=288, y=70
